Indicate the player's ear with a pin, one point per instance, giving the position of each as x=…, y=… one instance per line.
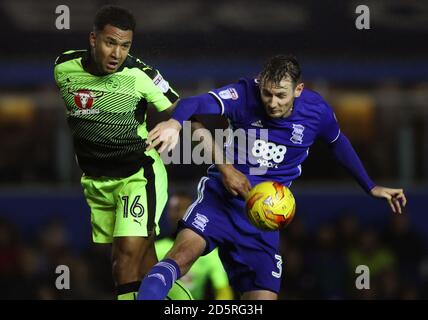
x=298, y=90
x=92, y=39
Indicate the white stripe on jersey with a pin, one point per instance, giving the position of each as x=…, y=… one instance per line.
x=219, y=100
x=336, y=137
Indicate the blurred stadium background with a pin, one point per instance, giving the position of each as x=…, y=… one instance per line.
x=376, y=80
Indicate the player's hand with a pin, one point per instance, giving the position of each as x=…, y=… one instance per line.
x=166, y=134
x=395, y=197
x=234, y=181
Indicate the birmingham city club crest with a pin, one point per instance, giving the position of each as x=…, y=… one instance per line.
x=297, y=134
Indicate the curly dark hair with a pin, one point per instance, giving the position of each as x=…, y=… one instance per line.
x=280, y=67
x=116, y=16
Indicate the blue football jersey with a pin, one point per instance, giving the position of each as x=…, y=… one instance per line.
x=274, y=149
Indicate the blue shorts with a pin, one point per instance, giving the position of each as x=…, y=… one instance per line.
x=250, y=256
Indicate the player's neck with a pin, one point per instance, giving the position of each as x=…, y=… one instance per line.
x=91, y=67
x=289, y=112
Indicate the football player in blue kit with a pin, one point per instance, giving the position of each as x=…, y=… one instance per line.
x=294, y=117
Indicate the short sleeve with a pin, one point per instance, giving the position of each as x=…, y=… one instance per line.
x=155, y=89
x=230, y=98
x=61, y=69
x=329, y=127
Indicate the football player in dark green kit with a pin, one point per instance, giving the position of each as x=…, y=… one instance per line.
x=106, y=93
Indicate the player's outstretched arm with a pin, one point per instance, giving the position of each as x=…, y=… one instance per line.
x=165, y=133
x=171, y=108
x=395, y=197
x=346, y=155
x=348, y=158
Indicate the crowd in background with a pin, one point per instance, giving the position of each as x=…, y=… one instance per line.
x=323, y=265
x=317, y=265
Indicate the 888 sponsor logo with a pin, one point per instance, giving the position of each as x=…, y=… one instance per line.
x=268, y=153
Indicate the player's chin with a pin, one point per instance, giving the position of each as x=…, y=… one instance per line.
x=275, y=115
x=108, y=70
x=111, y=67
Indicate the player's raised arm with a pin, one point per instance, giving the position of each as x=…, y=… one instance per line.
x=346, y=155
x=348, y=158
x=196, y=105
x=395, y=197
x=166, y=133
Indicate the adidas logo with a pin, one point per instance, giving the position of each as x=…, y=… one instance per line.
x=257, y=123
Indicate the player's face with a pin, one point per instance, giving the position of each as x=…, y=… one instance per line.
x=278, y=98
x=110, y=48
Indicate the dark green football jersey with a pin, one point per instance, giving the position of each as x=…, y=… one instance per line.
x=107, y=114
